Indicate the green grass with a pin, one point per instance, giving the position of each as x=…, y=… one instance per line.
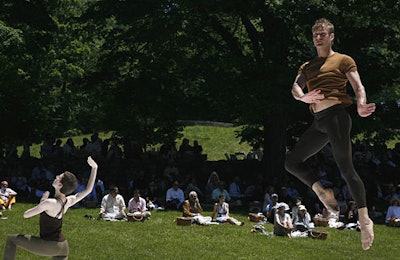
x=216, y=141
x=161, y=238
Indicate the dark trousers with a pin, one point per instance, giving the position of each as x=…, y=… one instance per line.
x=333, y=126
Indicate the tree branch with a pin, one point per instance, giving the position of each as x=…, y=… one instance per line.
x=226, y=35
x=253, y=35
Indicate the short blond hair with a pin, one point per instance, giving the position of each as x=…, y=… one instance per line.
x=323, y=23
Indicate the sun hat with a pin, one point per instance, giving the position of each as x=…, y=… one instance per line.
x=302, y=207
x=282, y=204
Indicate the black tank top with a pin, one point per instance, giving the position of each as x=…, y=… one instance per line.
x=51, y=227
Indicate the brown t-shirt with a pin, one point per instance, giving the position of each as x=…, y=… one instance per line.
x=328, y=74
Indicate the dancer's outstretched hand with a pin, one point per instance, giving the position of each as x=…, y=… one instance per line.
x=365, y=110
x=91, y=162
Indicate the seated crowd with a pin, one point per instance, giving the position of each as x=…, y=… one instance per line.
x=165, y=180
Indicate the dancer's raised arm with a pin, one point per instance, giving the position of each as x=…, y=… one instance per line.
x=89, y=187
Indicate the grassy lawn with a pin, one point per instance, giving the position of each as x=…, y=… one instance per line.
x=161, y=238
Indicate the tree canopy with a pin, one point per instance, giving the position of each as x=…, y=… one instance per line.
x=137, y=67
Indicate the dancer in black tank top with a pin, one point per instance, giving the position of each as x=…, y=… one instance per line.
x=51, y=210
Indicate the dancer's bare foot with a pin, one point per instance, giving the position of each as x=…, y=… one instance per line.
x=367, y=234
x=327, y=197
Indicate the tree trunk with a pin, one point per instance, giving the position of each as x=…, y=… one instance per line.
x=274, y=145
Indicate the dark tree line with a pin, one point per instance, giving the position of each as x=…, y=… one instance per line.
x=137, y=67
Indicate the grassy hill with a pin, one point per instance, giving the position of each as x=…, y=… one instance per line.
x=215, y=140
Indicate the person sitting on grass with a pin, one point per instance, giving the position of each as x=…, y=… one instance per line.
x=7, y=196
x=113, y=206
x=192, y=208
x=174, y=197
x=270, y=209
x=137, y=210
x=220, y=190
x=302, y=220
x=283, y=222
x=393, y=211
x=52, y=210
x=221, y=209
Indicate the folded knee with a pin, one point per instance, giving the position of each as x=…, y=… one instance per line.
x=290, y=164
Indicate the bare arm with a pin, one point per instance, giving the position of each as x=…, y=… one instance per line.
x=277, y=220
x=89, y=187
x=45, y=204
x=363, y=108
x=280, y=223
x=227, y=209
x=297, y=91
x=199, y=208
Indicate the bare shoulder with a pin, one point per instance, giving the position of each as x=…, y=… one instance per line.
x=49, y=202
x=47, y=205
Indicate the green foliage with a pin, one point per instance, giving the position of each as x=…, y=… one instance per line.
x=137, y=67
x=10, y=39
x=161, y=238
x=38, y=83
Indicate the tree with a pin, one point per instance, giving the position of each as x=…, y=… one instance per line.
x=50, y=52
x=235, y=60
x=138, y=66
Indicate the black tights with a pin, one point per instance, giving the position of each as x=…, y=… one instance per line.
x=333, y=126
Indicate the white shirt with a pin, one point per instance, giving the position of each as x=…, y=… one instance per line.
x=112, y=205
x=134, y=205
x=285, y=218
x=4, y=193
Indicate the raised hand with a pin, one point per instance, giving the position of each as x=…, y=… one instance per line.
x=91, y=162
